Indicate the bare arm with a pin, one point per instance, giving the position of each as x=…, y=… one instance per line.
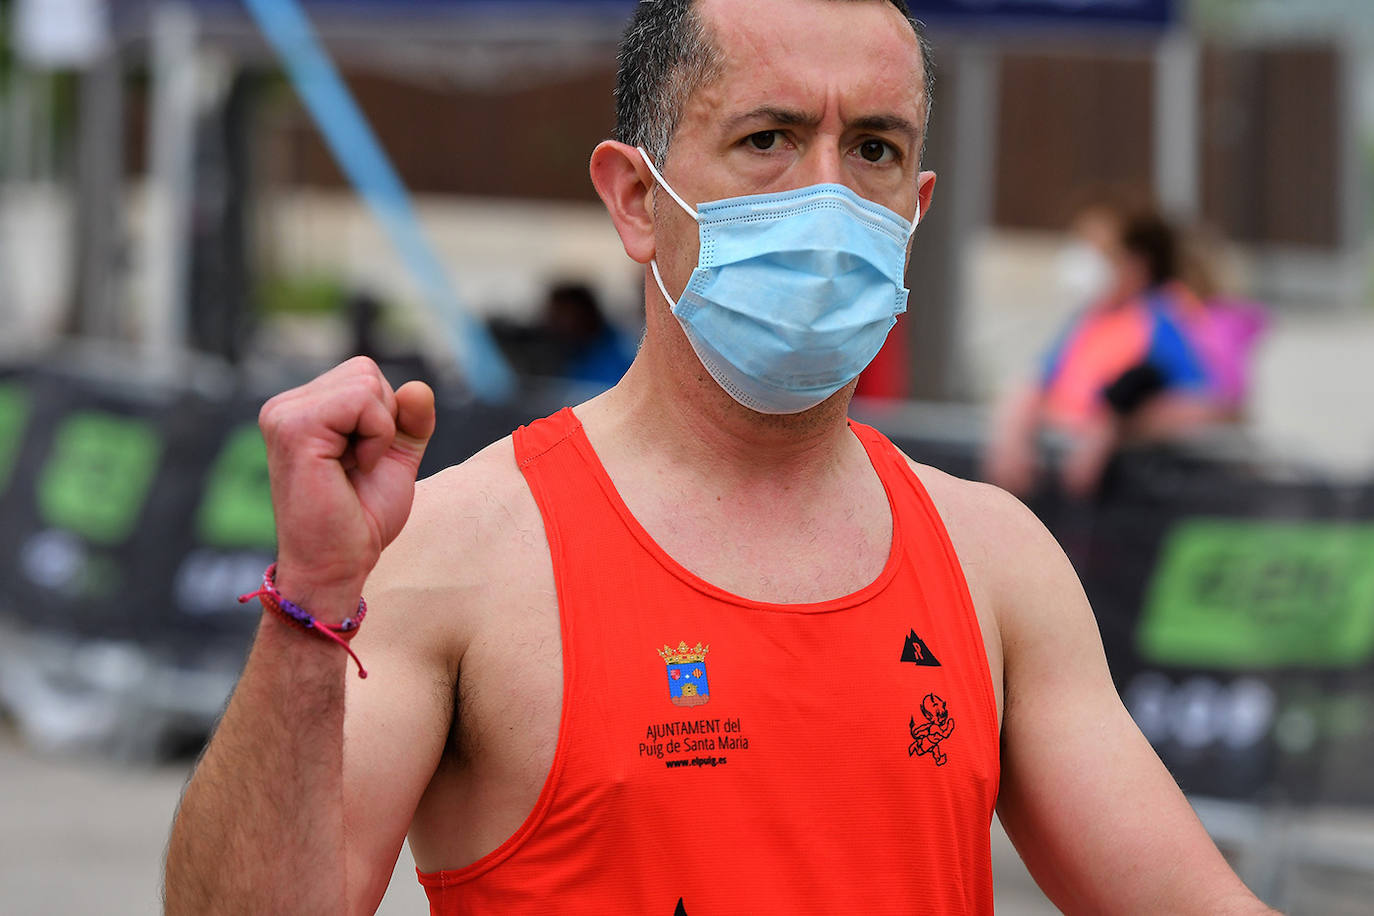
x=1098, y=820
x=262, y=827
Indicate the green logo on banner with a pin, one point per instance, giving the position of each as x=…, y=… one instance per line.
x=236, y=510
x=98, y=476
x=14, y=415
x=1262, y=594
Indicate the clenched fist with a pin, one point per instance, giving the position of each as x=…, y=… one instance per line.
x=343, y=451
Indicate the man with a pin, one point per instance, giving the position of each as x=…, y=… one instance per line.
x=668, y=652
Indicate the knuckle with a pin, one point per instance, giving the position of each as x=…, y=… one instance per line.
x=371, y=388
x=364, y=365
x=269, y=416
x=282, y=419
x=360, y=391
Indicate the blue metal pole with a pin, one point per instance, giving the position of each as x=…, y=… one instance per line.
x=363, y=160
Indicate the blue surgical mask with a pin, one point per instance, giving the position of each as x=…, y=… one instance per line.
x=793, y=293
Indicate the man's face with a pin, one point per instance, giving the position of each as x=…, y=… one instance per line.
x=810, y=91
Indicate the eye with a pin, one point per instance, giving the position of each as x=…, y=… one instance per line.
x=873, y=150
x=764, y=139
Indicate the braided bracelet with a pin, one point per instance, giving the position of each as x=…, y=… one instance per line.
x=340, y=633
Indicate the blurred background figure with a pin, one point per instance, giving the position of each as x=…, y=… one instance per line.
x=1231, y=327
x=1148, y=358
x=570, y=338
x=591, y=348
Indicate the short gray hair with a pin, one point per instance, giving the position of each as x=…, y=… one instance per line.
x=666, y=53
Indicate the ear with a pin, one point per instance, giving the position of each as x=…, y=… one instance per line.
x=624, y=185
x=925, y=191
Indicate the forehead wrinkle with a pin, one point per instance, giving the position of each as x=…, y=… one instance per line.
x=774, y=114
x=743, y=48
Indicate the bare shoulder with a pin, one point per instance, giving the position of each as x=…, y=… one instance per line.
x=474, y=534
x=1021, y=582
x=979, y=513
x=465, y=507
x=998, y=539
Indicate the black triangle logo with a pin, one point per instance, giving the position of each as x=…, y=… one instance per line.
x=918, y=653
x=681, y=910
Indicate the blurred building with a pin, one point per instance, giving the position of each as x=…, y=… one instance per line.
x=163, y=180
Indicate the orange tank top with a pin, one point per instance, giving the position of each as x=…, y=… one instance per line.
x=720, y=756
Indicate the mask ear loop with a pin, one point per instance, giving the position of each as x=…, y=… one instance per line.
x=653, y=262
x=667, y=187
x=658, y=278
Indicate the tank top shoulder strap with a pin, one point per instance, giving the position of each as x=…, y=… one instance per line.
x=895, y=470
x=884, y=455
x=552, y=456
x=541, y=436
x=915, y=510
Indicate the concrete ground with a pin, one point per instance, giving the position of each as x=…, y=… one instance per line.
x=87, y=836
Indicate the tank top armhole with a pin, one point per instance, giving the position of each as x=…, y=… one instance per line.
x=898, y=464
x=531, y=444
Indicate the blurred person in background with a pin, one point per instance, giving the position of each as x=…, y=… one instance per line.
x=592, y=349
x=1231, y=327
x=1151, y=358
x=870, y=655
x=571, y=338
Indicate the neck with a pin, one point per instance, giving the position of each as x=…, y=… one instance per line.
x=674, y=407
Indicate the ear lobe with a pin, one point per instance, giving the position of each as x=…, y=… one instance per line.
x=623, y=182
x=925, y=191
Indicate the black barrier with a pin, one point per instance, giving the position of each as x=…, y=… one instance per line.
x=1237, y=610
x=1238, y=617
x=131, y=516
x=139, y=513
x=80, y=540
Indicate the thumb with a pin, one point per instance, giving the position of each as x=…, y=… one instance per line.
x=414, y=419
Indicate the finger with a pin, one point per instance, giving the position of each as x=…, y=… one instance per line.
x=360, y=372
x=375, y=432
x=368, y=375
x=342, y=416
x=385, y=392
x=339, y=376
x=357, y=365
x=347, y=414
x=415, y=417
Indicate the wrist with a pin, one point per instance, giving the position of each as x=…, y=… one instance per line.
x=340, y=632
x=330, y=601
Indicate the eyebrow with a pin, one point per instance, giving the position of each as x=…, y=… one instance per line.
x=790, y=116
x=888, y=124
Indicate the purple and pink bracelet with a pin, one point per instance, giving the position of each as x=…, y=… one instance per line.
x=340, y=633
